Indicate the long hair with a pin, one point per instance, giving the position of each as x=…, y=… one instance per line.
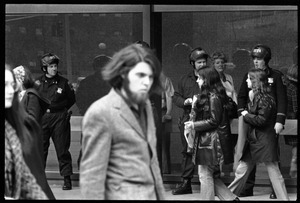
x=15, y=114
x=29, y=80
x=259, y=81
x=212, y=84
x=124, y=60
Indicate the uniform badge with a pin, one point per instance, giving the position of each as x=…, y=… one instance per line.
x=270, y=80
x=59, y=90
x=37, y=82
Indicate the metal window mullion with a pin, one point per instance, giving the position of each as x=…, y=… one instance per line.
x=72, y=8
x=195, y=8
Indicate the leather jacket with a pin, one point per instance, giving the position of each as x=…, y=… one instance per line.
x=212, y=126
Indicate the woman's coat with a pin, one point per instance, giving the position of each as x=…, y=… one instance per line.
x=261, y=136
x=213, y=127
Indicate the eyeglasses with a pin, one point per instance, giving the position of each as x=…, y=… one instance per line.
x=11, y=84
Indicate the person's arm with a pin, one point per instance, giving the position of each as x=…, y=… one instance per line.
x=243, y=96
x=264, y=109
x=233, y=91
x=216, y=110
x=32, y=106
x=178, y=98
x=281, y=100
x=96, y=147
x=70, y=95
x=169, y=93
x=81, y=97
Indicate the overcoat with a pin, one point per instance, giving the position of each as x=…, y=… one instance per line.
x=261, y=143
x=119, y=161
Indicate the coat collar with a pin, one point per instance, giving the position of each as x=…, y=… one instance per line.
x=191, y=74
x=126, y=113
x=55, y=79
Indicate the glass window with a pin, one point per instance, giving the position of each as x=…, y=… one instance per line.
x=75, y=38
x=233, y=32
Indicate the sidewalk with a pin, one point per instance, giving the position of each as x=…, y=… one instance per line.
x=260, y=194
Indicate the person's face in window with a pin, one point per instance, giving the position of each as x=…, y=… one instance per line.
x=219, y=65
x=259, y=63
x=138, y=82
x=10, y=88
x=200, y=63
x=51, y=70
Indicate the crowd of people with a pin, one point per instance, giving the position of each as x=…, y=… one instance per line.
x=119, y=156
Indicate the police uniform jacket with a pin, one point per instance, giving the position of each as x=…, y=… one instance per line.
x=261, y=145
x=58, y=91
x=187, y=88
x=278, y=91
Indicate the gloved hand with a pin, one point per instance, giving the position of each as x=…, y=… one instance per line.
x=244, y=112
x=278, y=128
x=188, y=101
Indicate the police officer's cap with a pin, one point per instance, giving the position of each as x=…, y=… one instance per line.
x=261, y=51
x=48, y=59
x=197, y=53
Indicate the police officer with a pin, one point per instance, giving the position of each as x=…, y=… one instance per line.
x=261, y=55
x=56, y=120
x=187, y=88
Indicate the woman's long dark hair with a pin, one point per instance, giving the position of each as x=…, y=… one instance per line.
x=15, y=114
x=212, y=84
x=29, y=80
x=259, y=81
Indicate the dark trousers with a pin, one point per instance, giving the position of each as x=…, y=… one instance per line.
x=187, y=166
x=57, y=126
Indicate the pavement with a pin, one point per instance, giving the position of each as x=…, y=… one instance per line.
x=260, y=194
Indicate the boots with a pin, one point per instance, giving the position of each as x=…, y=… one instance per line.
x=183, y=188
x=67, y=183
